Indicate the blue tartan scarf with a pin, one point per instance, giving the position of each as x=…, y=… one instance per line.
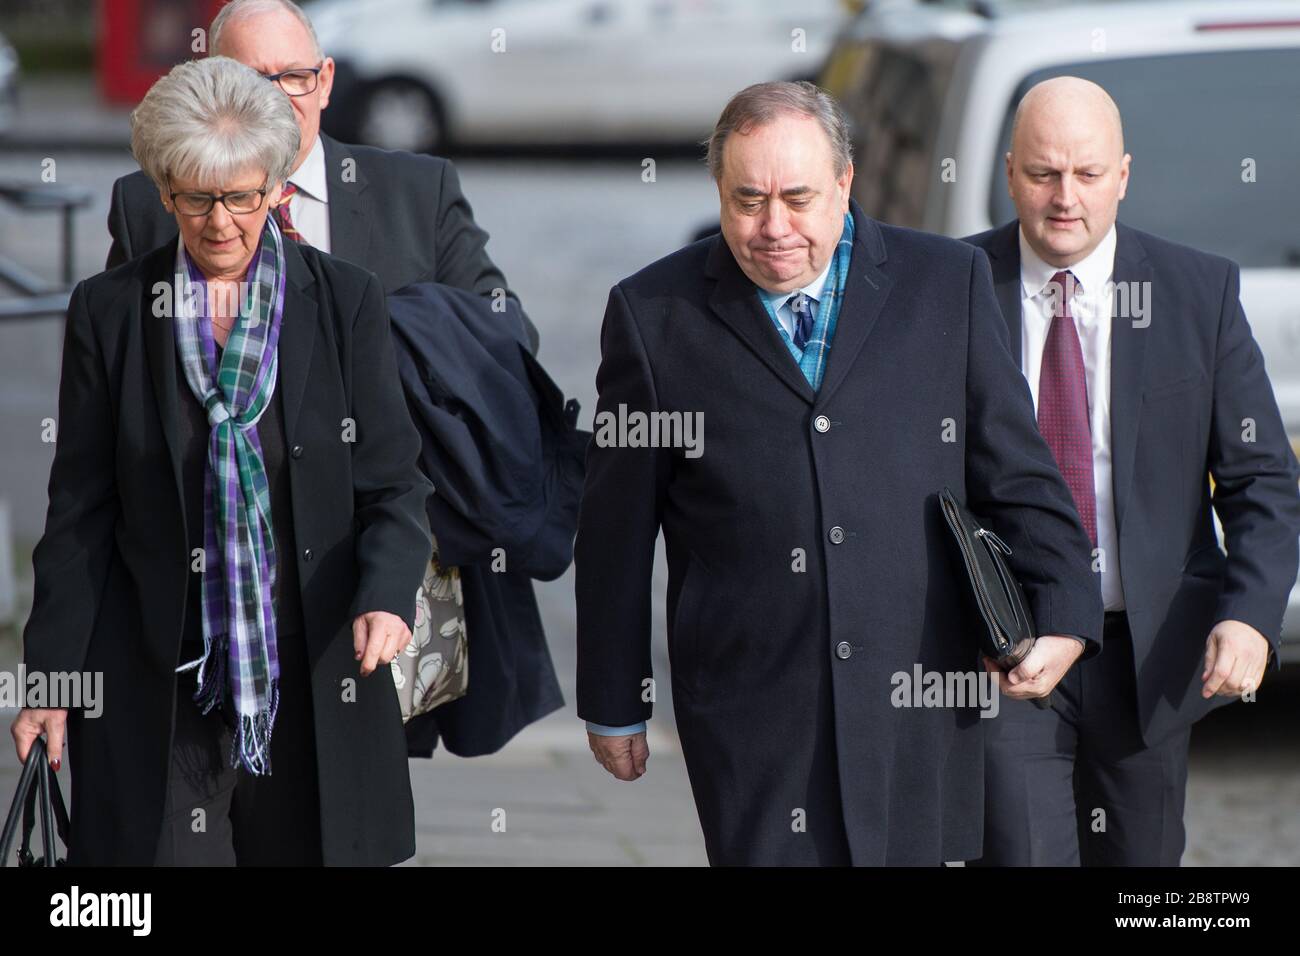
x=239, y=668
x=812, y=359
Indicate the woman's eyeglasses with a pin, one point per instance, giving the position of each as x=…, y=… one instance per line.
x=200, y=204
x=296, y=82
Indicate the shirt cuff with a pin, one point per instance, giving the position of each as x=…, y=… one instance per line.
x=602, y=731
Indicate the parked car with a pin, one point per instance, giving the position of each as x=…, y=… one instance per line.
x=1208, y=94
x=425, y=74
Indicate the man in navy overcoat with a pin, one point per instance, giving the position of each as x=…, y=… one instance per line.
x=809, y=563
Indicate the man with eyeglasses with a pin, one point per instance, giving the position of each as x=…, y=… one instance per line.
x=400, y=215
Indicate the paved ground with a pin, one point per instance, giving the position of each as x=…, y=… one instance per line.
x=564, y=232
x=559, y=808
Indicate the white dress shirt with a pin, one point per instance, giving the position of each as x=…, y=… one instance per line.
x=309, y=206
x=1091, y=308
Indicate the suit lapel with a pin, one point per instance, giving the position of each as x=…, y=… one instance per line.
x=297, y=335
x=1127, y=344
x=1004, y=260
x=735, y=301
x=1128, y=348
x=345, y=182
x=865, y=290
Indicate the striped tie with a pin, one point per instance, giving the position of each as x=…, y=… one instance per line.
x=801, y=307
x=283, y=217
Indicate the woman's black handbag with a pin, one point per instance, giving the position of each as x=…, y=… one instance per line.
x=37, y=782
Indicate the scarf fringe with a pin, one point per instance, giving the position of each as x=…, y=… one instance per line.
x=212, y=675
x=251, y=747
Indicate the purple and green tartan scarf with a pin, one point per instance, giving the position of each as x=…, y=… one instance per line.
x=240, y=667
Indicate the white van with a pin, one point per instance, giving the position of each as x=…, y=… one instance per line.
x=1210, y=96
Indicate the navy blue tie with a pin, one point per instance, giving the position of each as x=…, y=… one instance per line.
x=801, y=307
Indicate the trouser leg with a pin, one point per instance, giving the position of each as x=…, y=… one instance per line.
x=277, y=817
x=1130, y=796
x=1029, y=807
x=196, y=829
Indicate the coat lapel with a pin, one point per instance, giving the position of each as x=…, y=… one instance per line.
x=865, y=290
x=297, y=340
x=160, y=349
x=298, y=327
x=1128, y=348
x=349, y=226
x=735, y=301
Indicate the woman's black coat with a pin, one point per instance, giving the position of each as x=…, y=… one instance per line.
x=111, y=568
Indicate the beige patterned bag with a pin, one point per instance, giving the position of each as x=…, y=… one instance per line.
x=434, y=667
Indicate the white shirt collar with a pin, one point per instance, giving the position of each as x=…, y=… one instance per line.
x=1092, y=272
x=310, y=176
x=813, y=289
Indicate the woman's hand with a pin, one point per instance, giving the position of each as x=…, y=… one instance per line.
x=30, y=723
x=378, y=637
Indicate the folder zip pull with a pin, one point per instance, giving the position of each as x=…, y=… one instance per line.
x=994, y=539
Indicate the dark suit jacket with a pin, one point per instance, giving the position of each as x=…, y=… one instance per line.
x=500, y=445
x=401, y=215
x=807, y=567
x=1181, y=390
x=112, y=567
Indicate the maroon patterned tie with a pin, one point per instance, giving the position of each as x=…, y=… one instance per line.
x=1063, y=403
x=283, y=218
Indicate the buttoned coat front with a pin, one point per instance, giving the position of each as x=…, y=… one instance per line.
x=808, y=560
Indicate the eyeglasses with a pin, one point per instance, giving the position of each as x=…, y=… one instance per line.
x=200, y=204
x=296, y=82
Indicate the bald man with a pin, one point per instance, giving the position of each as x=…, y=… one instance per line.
x=1145, y=380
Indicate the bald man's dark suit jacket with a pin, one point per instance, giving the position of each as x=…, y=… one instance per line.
x=808, y=561
x=401, y=215
x=1182, y=390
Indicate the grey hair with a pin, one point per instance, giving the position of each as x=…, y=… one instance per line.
x=211, y=119
x=762, y=103
x=238, y=9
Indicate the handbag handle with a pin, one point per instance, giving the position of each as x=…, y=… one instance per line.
x=47, y=831
x=20, y=799
x=34, y=782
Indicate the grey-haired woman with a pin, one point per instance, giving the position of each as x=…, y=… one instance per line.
x=236, y=524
